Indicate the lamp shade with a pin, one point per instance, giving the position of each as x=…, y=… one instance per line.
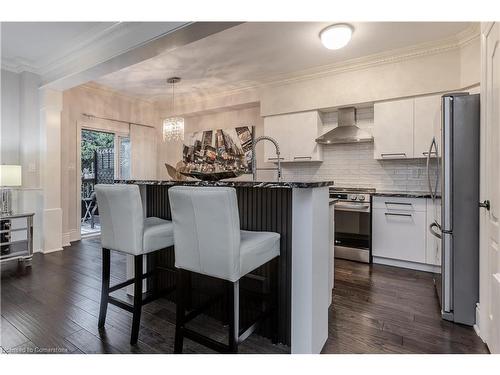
x=10, y=175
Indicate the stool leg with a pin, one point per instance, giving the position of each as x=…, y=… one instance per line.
x=106, y=261
x=136, y=318
x=234, y=316
x=180, y=310
x=275, y=300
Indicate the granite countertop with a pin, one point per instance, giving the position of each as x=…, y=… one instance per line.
x=404, y=194
x=332, y=201
x=256, y=184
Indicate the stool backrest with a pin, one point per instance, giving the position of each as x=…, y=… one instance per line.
x=121, y=216
x=206, y=230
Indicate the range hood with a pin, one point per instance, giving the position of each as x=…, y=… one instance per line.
x=346, y=131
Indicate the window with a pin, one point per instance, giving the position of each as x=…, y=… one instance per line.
x=124, y=157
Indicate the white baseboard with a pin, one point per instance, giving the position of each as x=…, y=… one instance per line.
x=66, y=239
x=406, y=264
x=69, y=237
x=476, y=329
x=74, y=235
x=52, y=250
x=477, y=326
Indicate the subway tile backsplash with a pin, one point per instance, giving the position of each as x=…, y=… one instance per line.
x=353, y=165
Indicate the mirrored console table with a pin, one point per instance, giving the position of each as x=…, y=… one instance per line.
x=16, y=237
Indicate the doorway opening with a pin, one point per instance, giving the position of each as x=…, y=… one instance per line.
x=105, y=156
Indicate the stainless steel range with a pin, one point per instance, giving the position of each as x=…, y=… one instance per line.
x=352, y=223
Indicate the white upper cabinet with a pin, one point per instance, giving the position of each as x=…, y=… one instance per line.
x=393, y=130
x=405, y=128
x=296, y=134
x=275, y=127
x=427, y=124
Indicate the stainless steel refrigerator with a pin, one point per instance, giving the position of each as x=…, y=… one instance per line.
x=454, y=166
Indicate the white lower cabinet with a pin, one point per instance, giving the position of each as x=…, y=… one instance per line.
x=400, y=235
x=398, y=231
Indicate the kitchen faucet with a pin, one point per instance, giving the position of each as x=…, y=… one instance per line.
x=254, y=157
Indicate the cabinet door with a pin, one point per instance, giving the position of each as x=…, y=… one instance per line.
x=393, y=130
x=296, y=135
x=276, y=127
x=304, y=129
x=399, y=234
x=427, y=124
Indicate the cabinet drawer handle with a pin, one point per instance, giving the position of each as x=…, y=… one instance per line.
x=394, y=214
x=302, y=157
x=275, y=158
x=398, y=203
x=393, y=154
x=425, y=153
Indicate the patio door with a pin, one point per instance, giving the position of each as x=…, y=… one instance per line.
x=97, y=160
x=130, y=154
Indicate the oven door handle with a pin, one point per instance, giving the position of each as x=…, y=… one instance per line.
x=352, y=207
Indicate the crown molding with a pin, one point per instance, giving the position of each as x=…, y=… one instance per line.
x=18, y=65
x=86, y=40
x=90, y=48
x=457, y=41
x=89, y=41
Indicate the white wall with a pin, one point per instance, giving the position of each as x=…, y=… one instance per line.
x=20, y=142
x=10, y=83
x=228, y=117
x=97, y=101
x=444, y=69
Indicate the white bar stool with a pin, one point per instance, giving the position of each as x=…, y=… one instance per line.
x=124, y=229
x=208, y=241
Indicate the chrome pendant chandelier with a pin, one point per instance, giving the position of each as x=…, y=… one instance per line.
x=173, y=127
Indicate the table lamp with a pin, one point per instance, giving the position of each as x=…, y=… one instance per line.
x=10, y=176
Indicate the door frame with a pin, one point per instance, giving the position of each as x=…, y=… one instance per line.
x=85, y=125
x=482, y=320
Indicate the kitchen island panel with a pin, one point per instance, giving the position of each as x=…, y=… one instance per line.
x=260, y=210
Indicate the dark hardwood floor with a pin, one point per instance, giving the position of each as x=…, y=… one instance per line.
x=53, y=307
x=382, y=309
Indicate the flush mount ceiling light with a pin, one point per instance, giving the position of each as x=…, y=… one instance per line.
x=173, y=127
x=336, y=36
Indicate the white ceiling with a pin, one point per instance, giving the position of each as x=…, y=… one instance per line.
x=34, y=46
x=255, y=52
